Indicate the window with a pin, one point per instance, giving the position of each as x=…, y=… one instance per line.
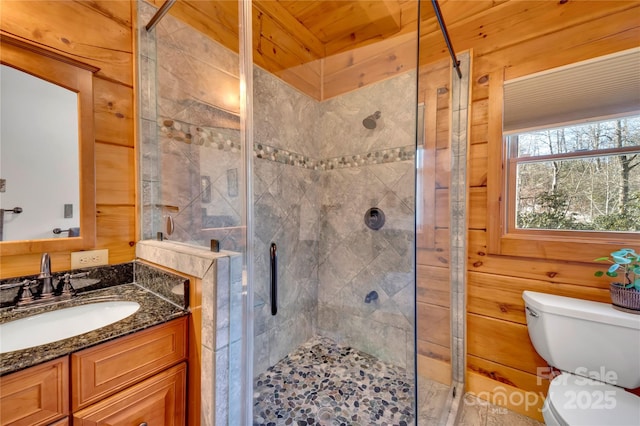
x=576, y=178
x=564, y=159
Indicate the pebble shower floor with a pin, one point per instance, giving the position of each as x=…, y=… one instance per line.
x=322, y=383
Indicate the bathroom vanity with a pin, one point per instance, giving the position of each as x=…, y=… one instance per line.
x=133, y=371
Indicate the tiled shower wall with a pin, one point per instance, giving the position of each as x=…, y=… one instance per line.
x=191, y=157
x=317, y=170
x=286, y=212
x=326, y=170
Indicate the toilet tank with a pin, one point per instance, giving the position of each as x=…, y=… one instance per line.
x=587, y=338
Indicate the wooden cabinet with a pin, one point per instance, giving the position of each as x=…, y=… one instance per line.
x=159, y=400
x=136, y=379
x=103, y=370
x=35, y=396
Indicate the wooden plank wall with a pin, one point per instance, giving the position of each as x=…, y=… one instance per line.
x=501, y=362
x=99, y=33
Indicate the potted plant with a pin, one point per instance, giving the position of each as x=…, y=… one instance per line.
x=625, y=292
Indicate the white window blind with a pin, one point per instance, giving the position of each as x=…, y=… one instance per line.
x=601, y=87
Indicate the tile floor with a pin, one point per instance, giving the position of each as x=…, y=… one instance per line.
x=322, y=383
x=476, y=412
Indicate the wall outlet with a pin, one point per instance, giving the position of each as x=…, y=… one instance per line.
x=87, y=259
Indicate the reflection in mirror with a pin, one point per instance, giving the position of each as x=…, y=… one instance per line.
x=38, y=157
x=65, y=174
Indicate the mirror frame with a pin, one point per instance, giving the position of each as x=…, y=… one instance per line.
x=77, y=77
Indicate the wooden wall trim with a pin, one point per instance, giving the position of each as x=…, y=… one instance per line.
x=495, y=164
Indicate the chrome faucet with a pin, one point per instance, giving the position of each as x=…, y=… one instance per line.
x=45, y=276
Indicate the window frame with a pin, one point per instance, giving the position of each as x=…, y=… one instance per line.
x=503, y=238
x=513, y=161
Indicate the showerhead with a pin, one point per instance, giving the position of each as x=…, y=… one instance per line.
x=370, y=121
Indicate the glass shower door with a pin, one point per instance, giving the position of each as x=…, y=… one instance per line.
x=333, y=188
x=193, y=172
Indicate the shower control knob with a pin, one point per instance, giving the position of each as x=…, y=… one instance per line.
x=374, y=218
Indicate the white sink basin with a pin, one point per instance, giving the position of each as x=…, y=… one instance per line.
x=57, y=325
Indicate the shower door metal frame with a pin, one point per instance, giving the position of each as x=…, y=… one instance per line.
x=245, y=20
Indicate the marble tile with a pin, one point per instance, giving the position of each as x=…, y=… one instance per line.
x=289, y=334
x=279, y=110
x=430, y=400
x=236, y=404
x=236, y=300
x=261, y=345
x=342, y=131
x=221, y=385
x=207, y=388
x=222, y=303
x=474, y=412
x=186, y=258
x=477, y=412
x=209, y=308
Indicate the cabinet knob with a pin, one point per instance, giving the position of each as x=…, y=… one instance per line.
x=143, y=424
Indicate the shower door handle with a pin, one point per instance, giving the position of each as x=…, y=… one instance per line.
x=273, y=252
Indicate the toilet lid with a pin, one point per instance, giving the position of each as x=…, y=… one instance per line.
x=580, y=401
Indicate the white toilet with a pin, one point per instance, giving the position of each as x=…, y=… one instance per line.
x=597, y=348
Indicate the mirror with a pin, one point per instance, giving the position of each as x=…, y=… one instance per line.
x=38, y=157
x=47, y=178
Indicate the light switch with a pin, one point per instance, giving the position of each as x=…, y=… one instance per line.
x=68, y=211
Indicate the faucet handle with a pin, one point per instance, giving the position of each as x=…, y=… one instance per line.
x=27, y=294
x=79, y=275
x=67, y=288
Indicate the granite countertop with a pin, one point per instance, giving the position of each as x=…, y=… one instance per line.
x=153, y=310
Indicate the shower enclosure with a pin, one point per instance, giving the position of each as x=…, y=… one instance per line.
x=307, y=168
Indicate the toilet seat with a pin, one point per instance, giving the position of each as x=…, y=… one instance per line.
x=575, y=400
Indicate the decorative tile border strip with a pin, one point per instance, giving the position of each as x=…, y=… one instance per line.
x=228, y=140
x=278, y=155
x=390, y=155
x=221, y=138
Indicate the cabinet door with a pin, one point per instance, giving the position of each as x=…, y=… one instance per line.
x=103, y=370
x=157, y=401
x=36, y=396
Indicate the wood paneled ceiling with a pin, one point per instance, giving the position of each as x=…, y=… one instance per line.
x=332, y=21
x=325, y=27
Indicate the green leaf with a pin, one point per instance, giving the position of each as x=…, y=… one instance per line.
x=621, y=260
x=600, y=259
x=599, y=273
x=612, y=274
x=613, y=268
